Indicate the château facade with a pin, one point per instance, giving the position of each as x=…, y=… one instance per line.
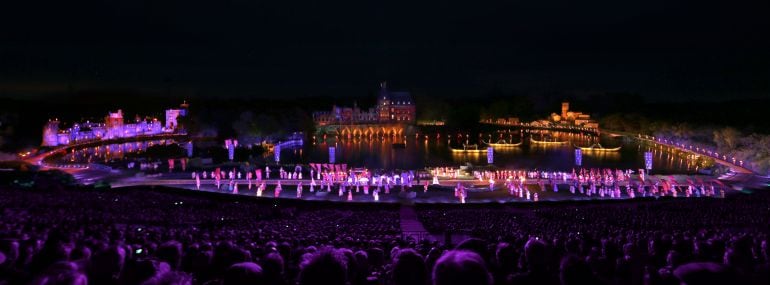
x=392, y=107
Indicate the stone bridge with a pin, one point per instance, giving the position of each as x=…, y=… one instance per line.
x=365, y=130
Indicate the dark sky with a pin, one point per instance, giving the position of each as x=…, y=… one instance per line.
x=662, y=49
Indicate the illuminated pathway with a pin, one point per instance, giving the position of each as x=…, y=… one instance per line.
x=723, y=161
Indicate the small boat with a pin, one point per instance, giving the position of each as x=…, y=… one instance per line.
x=502, y=143
x=473, y=148
x=598, y=147
x=532, y=140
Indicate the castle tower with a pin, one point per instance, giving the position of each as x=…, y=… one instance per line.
x=51, y=133
x=113, y=123
x=564, y=109
x=383, y=103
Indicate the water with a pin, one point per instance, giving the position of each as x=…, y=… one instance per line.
x=418, y=153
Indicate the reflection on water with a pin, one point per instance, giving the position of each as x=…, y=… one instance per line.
x=420, y=152
x=109, y=152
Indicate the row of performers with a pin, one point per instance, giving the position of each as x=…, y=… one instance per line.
x=232, y=187
x=519, y=188
x=351, y=178
x=607, y=176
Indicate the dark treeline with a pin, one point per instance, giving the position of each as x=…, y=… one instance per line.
x=22, y=119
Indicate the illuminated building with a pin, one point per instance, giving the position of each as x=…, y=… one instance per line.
x=173, y=114
x=113, y=127
x=392, y=107
x=568, y=117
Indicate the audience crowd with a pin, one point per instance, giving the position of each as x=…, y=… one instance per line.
x=165, y=236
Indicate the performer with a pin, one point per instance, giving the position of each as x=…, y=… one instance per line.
x=312, y=184
x=299, y=190
x=260, y=189
x=197, y=182
x=425, y=187
x=350, y=195
x=491, y=184
x=278, y=189
x=376, y=195
x=235, y=189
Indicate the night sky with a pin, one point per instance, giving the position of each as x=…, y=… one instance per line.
x=661, y=49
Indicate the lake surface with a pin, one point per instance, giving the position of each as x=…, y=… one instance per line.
x=419, y=152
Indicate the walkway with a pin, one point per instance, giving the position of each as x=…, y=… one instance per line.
x=410, y=225
x=734, y=167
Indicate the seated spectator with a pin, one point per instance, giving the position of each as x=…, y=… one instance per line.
x=458, y=267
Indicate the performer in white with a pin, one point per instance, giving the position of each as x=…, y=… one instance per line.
x=435, y=180
x=376, y=195
x=235, y=188
x=312, y=184
x=197, y=182
x=260, y=189
x=350, y=195
x=536, y=198
x=299, y=190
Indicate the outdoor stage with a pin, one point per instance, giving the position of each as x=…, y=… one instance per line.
x=442, y=193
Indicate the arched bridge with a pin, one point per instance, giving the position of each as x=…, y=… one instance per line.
x=365, y=130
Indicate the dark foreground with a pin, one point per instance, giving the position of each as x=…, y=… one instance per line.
x=165, y=236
